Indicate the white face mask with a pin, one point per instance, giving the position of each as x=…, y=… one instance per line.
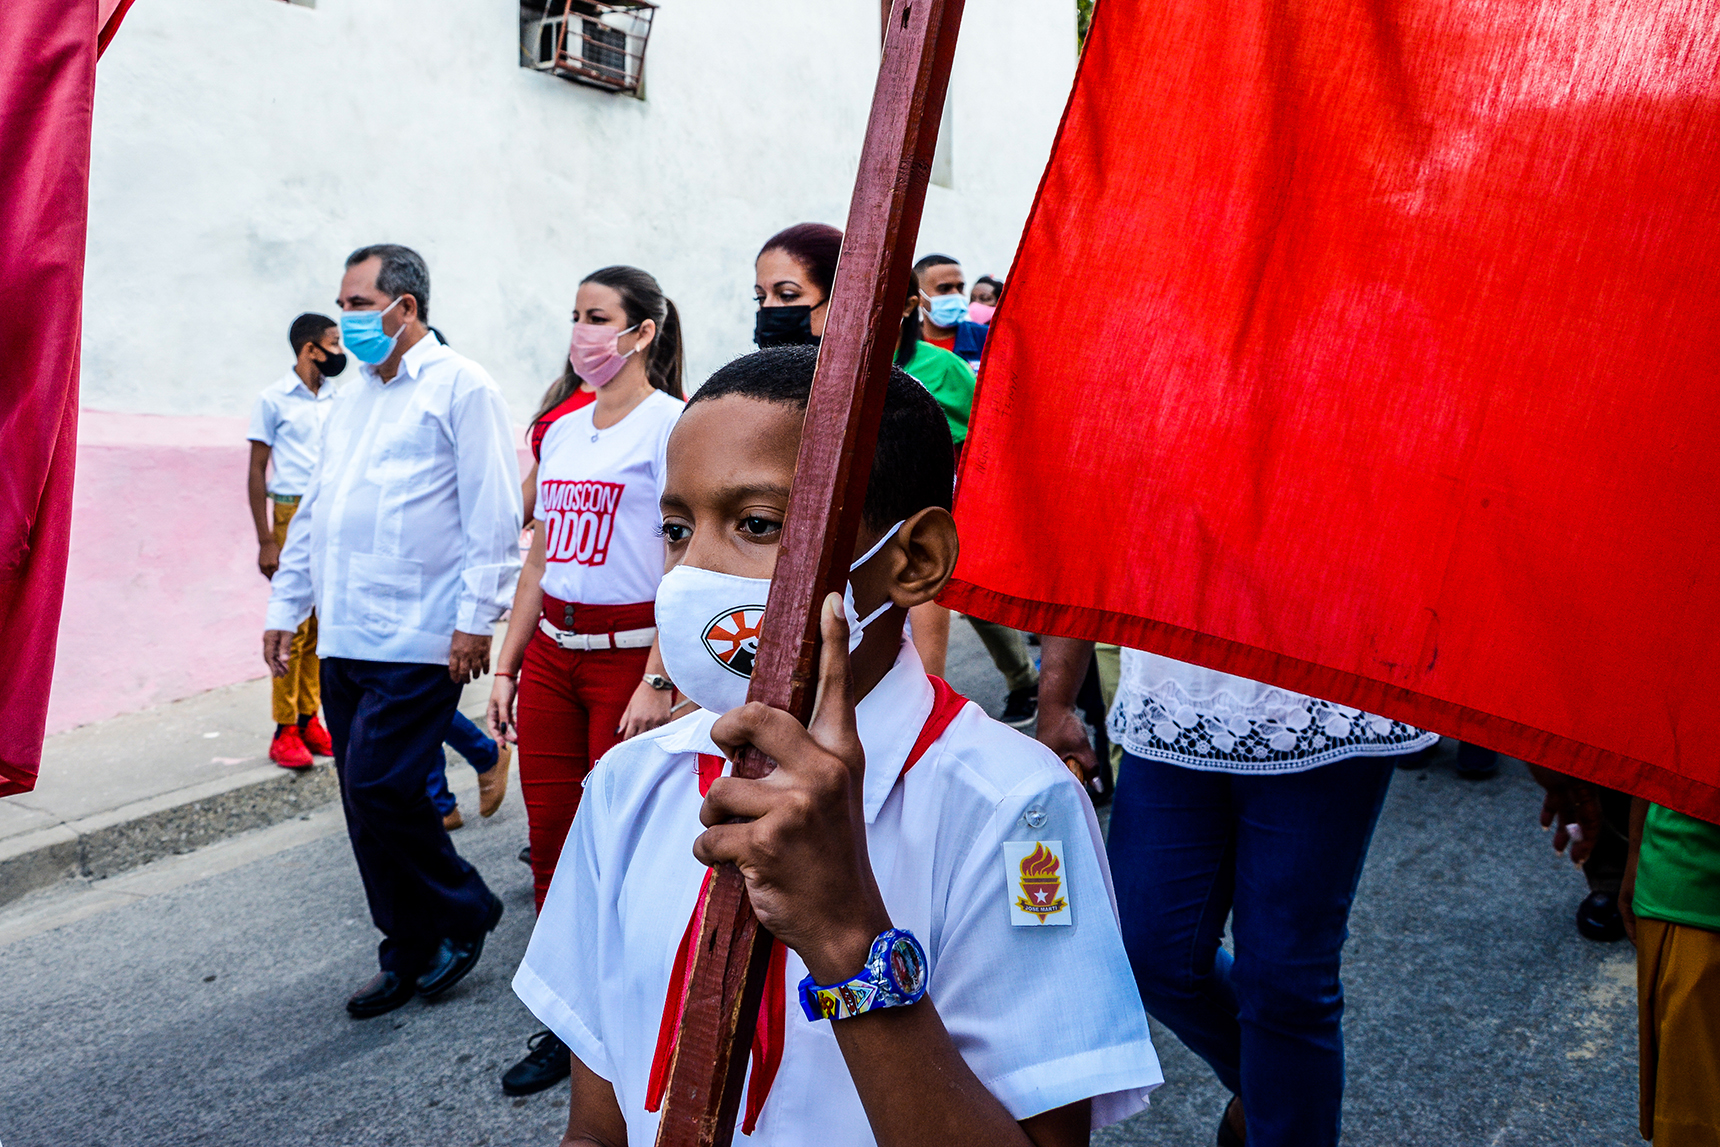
x=708, y=623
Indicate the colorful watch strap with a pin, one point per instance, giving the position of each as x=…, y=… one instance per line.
x=894, y=977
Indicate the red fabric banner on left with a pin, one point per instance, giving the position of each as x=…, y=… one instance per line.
x=47, y=83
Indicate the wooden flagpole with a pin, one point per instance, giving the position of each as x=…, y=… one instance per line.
x=727, y=972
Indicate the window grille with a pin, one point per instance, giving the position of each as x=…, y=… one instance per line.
x=595, y=42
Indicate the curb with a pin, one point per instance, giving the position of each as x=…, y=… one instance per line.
x=176, y=822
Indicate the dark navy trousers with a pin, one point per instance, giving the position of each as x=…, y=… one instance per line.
x=387, y=721
x=1283, y=853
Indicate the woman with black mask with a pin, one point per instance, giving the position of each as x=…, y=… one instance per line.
x=792, y=279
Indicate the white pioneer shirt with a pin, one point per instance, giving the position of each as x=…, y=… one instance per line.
x=288, y=419
x=410, y=529
x=1045, y=1015
x=597, y=499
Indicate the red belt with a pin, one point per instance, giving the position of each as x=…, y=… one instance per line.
x=577, y=617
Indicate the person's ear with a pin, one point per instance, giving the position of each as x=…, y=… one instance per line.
x=644, y=336
x=407, y=310
x=913, y=305
x=928, y=548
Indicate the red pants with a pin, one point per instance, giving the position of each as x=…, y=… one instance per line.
x=569, y=707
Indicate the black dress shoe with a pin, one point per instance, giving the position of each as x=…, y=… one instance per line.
x=383, y=994
x=454, y=958
x=545, y=1065
x=1598, y=918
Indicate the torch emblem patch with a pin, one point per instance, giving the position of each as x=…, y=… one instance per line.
x=732, y=638
x=1036, y=867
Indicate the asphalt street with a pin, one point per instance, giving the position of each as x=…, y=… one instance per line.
x=198, y=1000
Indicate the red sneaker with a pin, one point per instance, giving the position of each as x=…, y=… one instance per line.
x=316, y=738
x=288, y=749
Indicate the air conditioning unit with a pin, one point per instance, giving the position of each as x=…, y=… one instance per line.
x=600, y=43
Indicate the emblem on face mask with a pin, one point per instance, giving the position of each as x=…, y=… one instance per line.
x=732, y=638
x=1035, y=867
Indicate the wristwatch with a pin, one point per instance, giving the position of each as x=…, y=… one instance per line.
x=658, y=682
x=894, y=977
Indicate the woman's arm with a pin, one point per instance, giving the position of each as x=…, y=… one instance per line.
x=528, y=496
x=648, y=707
x=522, y=623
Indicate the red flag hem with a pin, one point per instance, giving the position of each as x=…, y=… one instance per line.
x=14, y=780
x=1524, y=742
x=111, y=26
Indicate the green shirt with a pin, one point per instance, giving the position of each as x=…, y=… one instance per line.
x=949, y=379
x=1678, y=870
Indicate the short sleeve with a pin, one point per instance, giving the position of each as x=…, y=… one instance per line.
x=560, y=979
x=1046, y=1015
x=264, y=420
x=660, y=459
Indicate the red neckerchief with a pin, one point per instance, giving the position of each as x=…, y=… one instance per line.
x=768, y=1035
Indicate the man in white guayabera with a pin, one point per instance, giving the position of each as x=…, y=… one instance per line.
x=407, y=546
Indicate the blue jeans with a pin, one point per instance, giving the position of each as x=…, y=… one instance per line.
x=465, y=738
x=1284, y=854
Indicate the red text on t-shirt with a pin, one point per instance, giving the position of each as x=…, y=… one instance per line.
x=579, y=518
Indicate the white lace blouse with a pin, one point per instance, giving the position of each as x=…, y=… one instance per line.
x=1201, y=719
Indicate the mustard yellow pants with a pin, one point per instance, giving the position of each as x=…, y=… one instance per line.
x=299, y=693
x=1678, y=994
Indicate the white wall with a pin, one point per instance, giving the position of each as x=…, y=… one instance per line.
x=243, y=147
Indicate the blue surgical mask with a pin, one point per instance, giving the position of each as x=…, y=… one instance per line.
x=362, y=333
x=947, y=310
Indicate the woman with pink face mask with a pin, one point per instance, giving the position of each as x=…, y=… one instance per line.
x=982, y=302
x=580, y=669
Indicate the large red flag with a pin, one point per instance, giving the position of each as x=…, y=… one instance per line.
x=1370, y=349
x=47, y=80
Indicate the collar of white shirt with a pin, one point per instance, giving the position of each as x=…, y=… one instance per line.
x=290, y=382
x=420, y=355
x=889, y=718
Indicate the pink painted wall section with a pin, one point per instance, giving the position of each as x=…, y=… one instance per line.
x=163, y=597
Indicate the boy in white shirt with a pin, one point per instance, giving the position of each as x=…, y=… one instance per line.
x=906, y=850
x=286, y=436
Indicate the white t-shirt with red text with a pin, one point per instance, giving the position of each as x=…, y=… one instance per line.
x=597, y=500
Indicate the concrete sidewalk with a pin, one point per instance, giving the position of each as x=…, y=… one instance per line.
x=120, y=793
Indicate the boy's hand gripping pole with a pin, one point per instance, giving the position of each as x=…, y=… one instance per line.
x=727, y=973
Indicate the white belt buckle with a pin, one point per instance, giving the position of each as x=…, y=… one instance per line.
x=591, y=642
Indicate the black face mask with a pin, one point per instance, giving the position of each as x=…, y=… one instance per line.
x=783, y=326
x=332, y=363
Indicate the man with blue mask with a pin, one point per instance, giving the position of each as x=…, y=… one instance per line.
x=407, y=546
x=943, y=309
